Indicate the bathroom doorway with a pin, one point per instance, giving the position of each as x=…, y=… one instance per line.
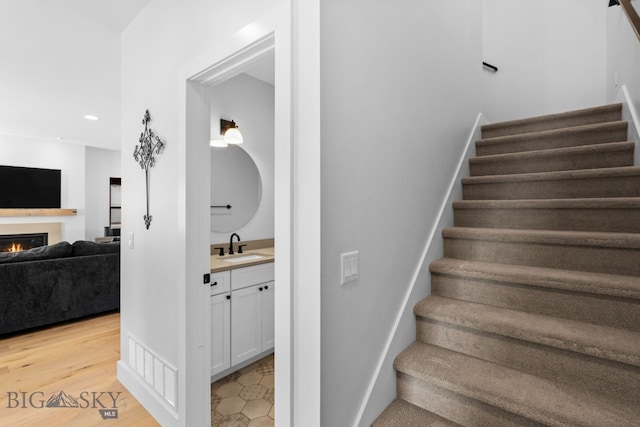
x=216, y=67
x=242, y=228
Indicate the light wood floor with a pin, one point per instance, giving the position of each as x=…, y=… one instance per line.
x=75, y=358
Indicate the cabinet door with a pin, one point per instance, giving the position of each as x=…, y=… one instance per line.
x=246, y=323
x=268, y=316
x=220, y=333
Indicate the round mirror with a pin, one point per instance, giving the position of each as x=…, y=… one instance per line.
x=236, y=188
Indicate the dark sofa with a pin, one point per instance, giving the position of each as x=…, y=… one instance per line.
x=59, y=282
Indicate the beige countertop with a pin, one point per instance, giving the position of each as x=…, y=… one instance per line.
x=220, y=263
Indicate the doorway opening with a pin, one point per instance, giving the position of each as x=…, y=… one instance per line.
x=242, y=245
x=218, y=67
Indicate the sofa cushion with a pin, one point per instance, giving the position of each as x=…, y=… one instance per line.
x=85, y=247
x=59, y=250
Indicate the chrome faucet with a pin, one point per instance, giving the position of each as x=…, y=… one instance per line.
x=231, y=243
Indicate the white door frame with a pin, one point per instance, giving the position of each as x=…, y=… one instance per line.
x=306, y=237
x=222, y=61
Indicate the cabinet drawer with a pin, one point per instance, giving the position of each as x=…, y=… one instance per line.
x=220, y=282
x=254, y=275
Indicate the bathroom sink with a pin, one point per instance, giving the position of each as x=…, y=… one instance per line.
x=243, y=258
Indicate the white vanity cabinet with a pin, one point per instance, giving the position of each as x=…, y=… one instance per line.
x=246, y=322
x=251, y=321
x=220, y=333
x=242, y=315
x=252, y=303
x=220, y=322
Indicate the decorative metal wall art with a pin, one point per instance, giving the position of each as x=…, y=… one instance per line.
x=144, y=154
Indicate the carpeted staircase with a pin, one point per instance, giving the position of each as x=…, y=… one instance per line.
x=534, y=317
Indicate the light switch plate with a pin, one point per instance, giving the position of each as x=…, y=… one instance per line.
x=349, y=267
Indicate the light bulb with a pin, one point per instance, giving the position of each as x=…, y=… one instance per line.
x=233, y=136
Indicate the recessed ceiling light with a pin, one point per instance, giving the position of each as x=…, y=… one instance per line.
x=90, y=117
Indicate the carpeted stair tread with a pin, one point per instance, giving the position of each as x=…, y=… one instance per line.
x=604, y=113
x=527, y=395
x=601, y=299
x=624, y=171
x=614, y=344
x=598, y=252
x=548, y=237
x=553, y=278
x=608, y=182
x=401, y=413
x=614, y=154
x=577, y=203
x=609, y=214
x=598, y=133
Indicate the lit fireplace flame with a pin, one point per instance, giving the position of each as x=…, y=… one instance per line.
x=15, y=247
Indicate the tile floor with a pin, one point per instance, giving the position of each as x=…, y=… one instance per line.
x=245, y=397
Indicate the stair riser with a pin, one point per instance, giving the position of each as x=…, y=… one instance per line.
x=579, y=219
x=455, y=407
x=625, y=186
x=604, y=376
x=590, y=308
x=571, y=138
x=401, y=413
x=585, y=258
x=561, y=162
x=536, y=125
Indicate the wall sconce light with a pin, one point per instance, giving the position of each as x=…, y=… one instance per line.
x=218, y=143
x=230, y=131
x=614, y=3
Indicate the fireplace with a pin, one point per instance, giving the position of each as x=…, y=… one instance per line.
x=22, y=242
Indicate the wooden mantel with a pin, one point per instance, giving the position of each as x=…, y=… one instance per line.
x=38, y=212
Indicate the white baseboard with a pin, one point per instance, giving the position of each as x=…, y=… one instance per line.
x=150, y=400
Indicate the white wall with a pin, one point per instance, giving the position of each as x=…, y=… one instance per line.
x=623, y=55
x=551, y=56
x=250, y=103
x=162, y=38
x=99, y=167
x=70, y=159
x=401, y=90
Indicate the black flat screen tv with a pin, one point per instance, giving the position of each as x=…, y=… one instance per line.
x=29, y=187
